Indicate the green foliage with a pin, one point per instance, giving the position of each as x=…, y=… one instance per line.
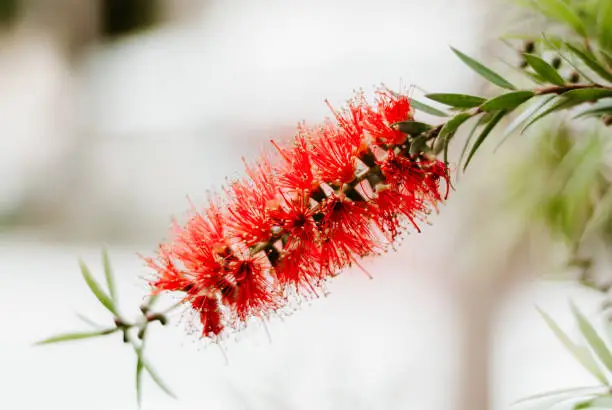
x=120, y=324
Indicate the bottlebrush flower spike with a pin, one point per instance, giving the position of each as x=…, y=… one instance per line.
x=344, y=190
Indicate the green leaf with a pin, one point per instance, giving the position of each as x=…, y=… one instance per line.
x=560, y=104
x=96, y=289
x=486, y=72
x=553, y=393
x=67, y=337
x=556, y=45
x=483, y=135
x=427, y=108
x=108, y=272
x=413, y=128
x=158, y=380
x=457, y=100
x=587, y=94
x=481, y=121
x=595, y=111
x=449, y=129
x=508, y=101
x=525, y=115
x=594, y=340
x=544, y=69
x=591, y=62
x=139, y=368
x=604, y=23
x=561, y=11
x=580, y=353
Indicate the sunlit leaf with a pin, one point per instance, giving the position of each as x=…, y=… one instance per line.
x=483, y=135
x=418, y=105
x=587, y=94
x=108, y=273
x=486, y=72
x=67, y=337
x=508, y=101
x=544, y=69
x=594, y=340
x=94, y=286
x=580, y=353
x=457, y=100
x=413, y=128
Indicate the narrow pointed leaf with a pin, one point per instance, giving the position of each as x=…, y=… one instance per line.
x=587, y=94
x=544, y=69
x=413, y=128
x=418, y=105
x=94, y=286
x=595, y=111
x=581, y=354
x=457, y=100
x=590, y=62
x=67, y=337
x=556, y=45
x=139, y=368
x=87, y=320
x=158, y=380
x=524, y=116
x=508, y=101
x=604, y=23
x=483, y=135
x=560, y=104
x=448, y=131
x=108, y=273
x=486, y=72
x=471, y=134
x=593, y=338
x=558, y=392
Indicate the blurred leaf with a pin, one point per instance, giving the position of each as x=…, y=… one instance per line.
x=508, y=101
x=580, y=353
x=139, y=368
x=590, y=62
x=457, y=100
x=522, y=118
x=595, y=111
x=604, y=23
x=544, y=69
x=560, y=104
x=553, y=393
x=561, y=11
x=96, y=289
x=158, y=380
x=483, y=135
x=67, y=337
x=594, y=340
x=413, y=128
x=426, y=108
x=486, y=72
x=87, y=320
x=108, y=272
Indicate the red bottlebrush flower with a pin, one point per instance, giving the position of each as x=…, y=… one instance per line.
x=342, y=191
x=210, y=316
x=391, y=108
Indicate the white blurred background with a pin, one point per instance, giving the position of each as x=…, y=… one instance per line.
x=109, y=121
